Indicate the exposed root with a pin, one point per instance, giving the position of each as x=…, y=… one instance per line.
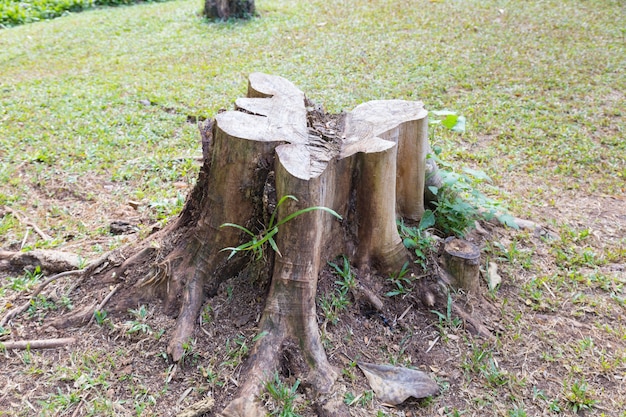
x=476, y=324
x=299, y=352
x=197, y=409
x=77, y=317
x=100, y=306
x=193, y=297
x=160, y=276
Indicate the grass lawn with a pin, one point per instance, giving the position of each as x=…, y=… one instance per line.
x=98, y=109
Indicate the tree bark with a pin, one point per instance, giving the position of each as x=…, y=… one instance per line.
x=367, y=165
x=462, y=261
x=226, y=9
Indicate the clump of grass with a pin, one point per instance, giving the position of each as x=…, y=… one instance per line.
x=332, y=304
x=578, y=396
x=280, y=398
x=259, y=240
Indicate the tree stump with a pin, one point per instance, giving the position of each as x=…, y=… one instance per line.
x=367, y=165
x=461, y=260
x=226, y=9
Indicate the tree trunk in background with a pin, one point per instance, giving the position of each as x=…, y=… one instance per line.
x=226, y=9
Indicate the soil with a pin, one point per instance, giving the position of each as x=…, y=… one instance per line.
x=113, y=370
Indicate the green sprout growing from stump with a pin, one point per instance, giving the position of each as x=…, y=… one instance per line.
x=258, y=241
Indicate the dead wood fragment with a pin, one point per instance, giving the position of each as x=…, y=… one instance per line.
x=50, y=261
x=38, y=343
x=27, y=222
x=480, y=328
x=100, y=306
x=19, y=310
x=462, y=260
x=198, y=408
x=362, y=292
x=75, y=318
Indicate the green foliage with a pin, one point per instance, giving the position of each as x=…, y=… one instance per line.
x=448, y=119
x=418, y=239
x=14, y=12
x=400, y=281
x=459, y=202
x=363, y=399
x=577, y=396
x=447, y=320
x=281, y=397
x=348, y=280
x=258, y=241
x=100, y=316
x=139, y=325
x=332, y=304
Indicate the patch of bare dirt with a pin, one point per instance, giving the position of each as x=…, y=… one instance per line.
x=549, y=337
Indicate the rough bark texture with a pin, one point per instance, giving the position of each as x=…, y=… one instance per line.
x=462, y=260
x=226, y=9
x=367, y=165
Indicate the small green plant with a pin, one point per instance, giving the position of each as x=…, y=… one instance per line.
x=207, y=314
x=362, y=399
x=400, y=281
x=26, y=281
x=257, y=242
x=417, y=238
x=188, y=346
x=459, y=202
x=332, y=304
x=100, y=316
x=516, y=412
x=348, y=280
x=577, y=396
x=138, y=325
x=280, y=398
x=236, y=351
x=446, y=320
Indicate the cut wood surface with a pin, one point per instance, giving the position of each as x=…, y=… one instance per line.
x=461, y=260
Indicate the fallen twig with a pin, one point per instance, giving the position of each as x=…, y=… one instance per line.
x=475, y=323
x=197, y=409
x=19, y=310
x=27, y=222
x=103, y=303
x=37, y=343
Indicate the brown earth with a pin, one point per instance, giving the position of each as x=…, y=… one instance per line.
x=540, y=347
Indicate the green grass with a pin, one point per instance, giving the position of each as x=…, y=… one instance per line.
x=94, y=109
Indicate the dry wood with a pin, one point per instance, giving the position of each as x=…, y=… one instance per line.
x=22, y=219
x=100, y=306
x=367, y=165
x=461, y=259
x=50, y=261
x=478, y=326
x=19, y=310
x=38, y=343
x=199, y=408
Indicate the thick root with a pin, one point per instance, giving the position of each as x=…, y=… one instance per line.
x=305, y=355
x=193, y=297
